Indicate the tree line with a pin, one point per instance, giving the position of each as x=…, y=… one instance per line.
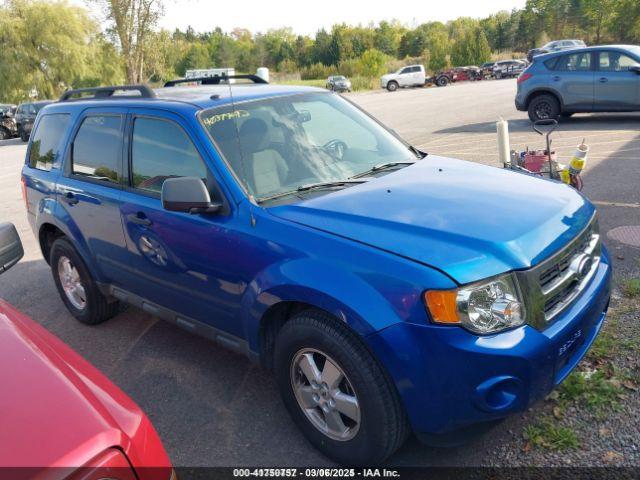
x=48, y=46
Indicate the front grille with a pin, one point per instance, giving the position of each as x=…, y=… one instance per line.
x=554, y=284
x=559, y=268
x=565, y=275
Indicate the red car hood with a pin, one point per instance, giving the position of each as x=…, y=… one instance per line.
x=58, y=410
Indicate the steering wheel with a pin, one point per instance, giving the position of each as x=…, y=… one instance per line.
x=335, y=148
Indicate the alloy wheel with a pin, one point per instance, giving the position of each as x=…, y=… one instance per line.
x=543, y=110
x=325, y=394
x=71, y=283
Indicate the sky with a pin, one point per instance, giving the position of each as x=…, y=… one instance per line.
x=307, y=17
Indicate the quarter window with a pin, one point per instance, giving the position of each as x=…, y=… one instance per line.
x=161, y=149
x=44, y=145
x=615, y=62
x=97, y=148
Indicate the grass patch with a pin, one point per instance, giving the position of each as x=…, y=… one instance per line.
x=358, y=84
x=631, y=288
x=307, y=83
x=592, y=389
x=546, y=434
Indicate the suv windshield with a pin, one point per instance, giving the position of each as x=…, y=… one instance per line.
x=279, y=145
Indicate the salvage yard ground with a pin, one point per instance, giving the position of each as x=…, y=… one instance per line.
x=212, y=407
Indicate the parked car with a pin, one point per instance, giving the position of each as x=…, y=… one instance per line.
x=338, y=83
x=457, y=74
x=487, y=69
x=60, y=411
x=25, y=116
x=508, y=68
x=593, y=79
x=409, y=76
x=555, y=46
x=296, y=229
x=8, y=127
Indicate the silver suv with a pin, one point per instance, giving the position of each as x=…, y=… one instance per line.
x=555, y=46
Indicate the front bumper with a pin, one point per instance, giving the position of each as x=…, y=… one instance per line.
x=450, y=379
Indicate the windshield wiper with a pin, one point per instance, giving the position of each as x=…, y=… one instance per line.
x=308, y=187
x=321, y=185
x=383, y=166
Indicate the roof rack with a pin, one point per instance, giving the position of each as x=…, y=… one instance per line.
x=107, y=93
x=215, y=80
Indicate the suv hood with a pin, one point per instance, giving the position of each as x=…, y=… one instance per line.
x=469, y=220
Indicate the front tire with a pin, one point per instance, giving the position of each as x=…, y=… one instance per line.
x=4, y=134
x=336, y=392
x=24, y=136
x=544, y=107
x=392, y=86
x=76, y=287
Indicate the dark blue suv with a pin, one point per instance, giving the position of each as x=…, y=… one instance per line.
x=389, y=290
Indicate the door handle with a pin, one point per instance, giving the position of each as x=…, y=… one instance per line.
x=139, y=219
x=603, y=80
x=557, y=78
x=70, y=198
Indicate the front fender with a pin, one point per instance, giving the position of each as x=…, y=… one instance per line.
x=366, y=300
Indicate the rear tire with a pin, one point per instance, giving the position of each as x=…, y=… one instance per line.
x=305, y=344
x=392, y=86
x=24, y=136
x=544, y=107
x=76, y=287
x=442, y=81
x=4, y=134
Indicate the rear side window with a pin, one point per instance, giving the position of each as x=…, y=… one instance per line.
x=577, y=62
x=97, y=148
x=46, y=139
x=161, y=149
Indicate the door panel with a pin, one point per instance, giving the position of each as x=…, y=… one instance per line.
x=573, y=77
x=90, y=192
x=404, y=78
x=616, y=87
x=182, y=262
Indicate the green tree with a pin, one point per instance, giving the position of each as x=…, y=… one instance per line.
x=373, y=63
x=625, y=21
x=132, y=25
x=48, y=47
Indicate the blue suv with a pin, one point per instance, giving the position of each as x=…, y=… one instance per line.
x=388, y=290
x=594, y=79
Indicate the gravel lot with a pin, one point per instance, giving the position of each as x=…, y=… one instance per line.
x=213, y=408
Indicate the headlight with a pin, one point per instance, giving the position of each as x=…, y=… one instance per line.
x=485, y=307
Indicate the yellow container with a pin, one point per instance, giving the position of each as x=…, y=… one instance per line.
x=579, y=159
x=565, y=176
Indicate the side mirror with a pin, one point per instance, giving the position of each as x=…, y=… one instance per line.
x=187, y=194
x=635, y=68
x=11, y=250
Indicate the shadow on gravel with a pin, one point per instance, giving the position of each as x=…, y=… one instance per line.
x=581, y=123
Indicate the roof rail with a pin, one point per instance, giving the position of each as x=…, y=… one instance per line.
x=215, y=80
x=107, y=93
